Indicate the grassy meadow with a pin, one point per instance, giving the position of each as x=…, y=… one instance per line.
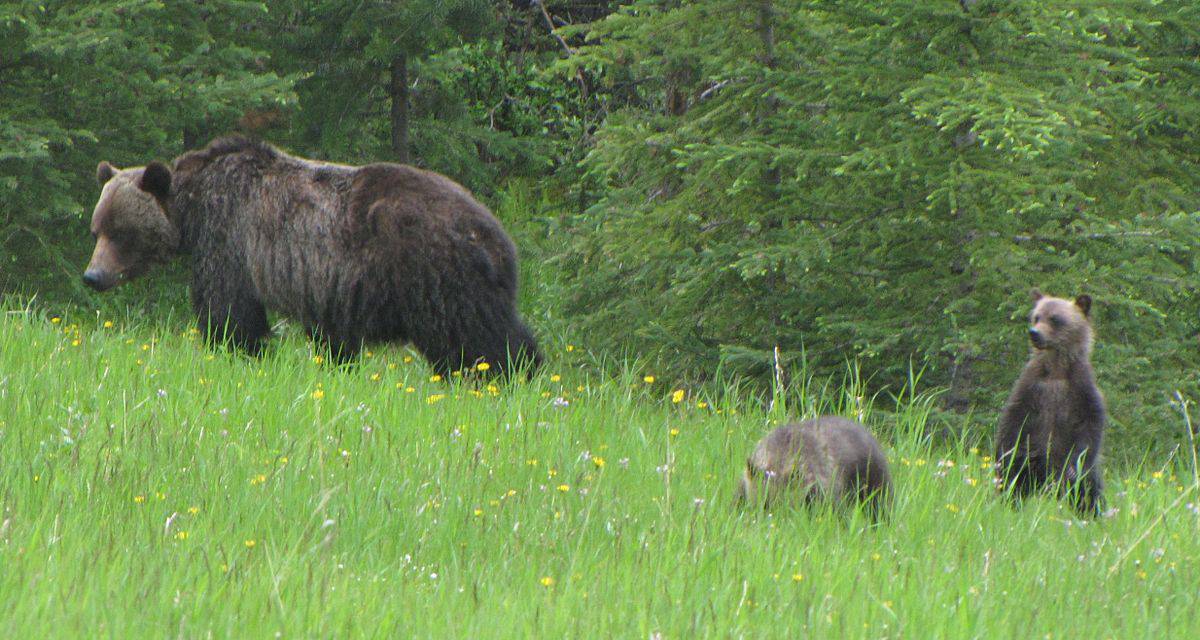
x=152, y=487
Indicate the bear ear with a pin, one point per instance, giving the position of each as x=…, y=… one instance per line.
x=1084, y=302
x=1036, y=294
x=156, y=180
x=104, y=172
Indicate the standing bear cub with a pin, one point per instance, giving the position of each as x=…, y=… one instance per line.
x=827, y=458
x=357, y=254
x=1052, y=427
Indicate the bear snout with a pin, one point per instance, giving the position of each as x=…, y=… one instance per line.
x=100, y=280
x=1036, y=337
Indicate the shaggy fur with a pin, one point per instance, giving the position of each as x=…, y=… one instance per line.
x=1052, y=427
x=828, y=458
x=357, y=254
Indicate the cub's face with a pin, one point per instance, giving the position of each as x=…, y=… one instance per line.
x=1059, y=324
x=130, y=224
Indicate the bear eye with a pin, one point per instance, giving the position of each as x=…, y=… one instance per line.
x=1036, y=317
x=1056, y=321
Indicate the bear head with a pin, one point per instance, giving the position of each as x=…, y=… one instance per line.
x=130, y=224
x=1060, y=325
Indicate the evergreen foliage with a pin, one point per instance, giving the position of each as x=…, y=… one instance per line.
x=885, y=181
x=125, y=81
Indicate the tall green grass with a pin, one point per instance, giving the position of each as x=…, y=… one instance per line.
x=151, y=486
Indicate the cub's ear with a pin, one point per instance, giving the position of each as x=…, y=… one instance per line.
x=105, y=172
x=1036, y=294
x=156, y=181
x=1084, y=302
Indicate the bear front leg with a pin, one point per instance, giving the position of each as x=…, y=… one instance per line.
x=340, y=350
x=1018, y=473
x=230, y=316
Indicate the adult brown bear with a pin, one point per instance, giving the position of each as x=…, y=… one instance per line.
x=357, y=254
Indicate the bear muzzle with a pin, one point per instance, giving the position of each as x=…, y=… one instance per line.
x=101, y=280
x=105, y=270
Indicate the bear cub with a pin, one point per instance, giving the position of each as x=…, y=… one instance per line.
x=1052, y=427
x=827, y=458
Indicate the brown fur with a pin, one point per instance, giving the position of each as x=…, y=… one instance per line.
x=357, y=254
x=1052, y=427
x=827, y=458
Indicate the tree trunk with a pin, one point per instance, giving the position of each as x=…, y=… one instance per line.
x=399, y=93
x=766, y=31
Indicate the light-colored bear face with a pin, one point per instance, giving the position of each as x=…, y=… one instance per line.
x=1057, y=324
x=130, y=224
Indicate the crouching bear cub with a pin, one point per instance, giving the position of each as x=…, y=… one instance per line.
x=357, y=254
x=1052, y=426
x=827, y=458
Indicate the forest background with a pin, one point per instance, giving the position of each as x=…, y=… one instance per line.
x=725, y=189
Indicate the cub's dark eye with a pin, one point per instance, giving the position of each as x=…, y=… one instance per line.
x=1056, y=322
x=1036, y=318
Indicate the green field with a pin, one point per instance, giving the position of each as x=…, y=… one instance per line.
x=152, y=487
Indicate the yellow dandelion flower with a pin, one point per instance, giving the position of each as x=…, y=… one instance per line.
x=564, y=488
x=182, y=535
x=674, y=432
x=702, y=405
x=677, y=396
x=318, y=359
x=370, y=354
x=547, y=581
x=36, y=478
x=555, y=378
x=478, y=512
x=160, y=495
x=435, y=378
x=456, y=374
x=1157, y=475
x=317, y=394
x=258, y=479
x=570, y=347
x=75, y=342
x=797, y=577
x=951, y=507
x=598, y=461
x=391, y=365
x=108, y=324
x=533, y=462
x=375, y=377
x=437, y=397
x=493, y=503
x=250, y=543
x=511, y=493
x=483, y=366
x=139, y=499
x=193, y=510
x=876, y=556
x=545, y=394
x=407, y=359
x=648, y=379
x=283, y=460
x=409, y=389
x=579, y=388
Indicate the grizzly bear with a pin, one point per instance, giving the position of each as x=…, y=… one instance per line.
x=356, y=254
x=827, y=458
x=1052, y=427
